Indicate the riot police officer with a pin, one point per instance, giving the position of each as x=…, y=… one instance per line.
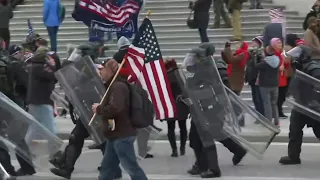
x=303, y=62
x=64, y=161
x=206, y=156
x=17, y=92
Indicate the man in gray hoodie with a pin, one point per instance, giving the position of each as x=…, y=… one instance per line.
x=5, y=15
x=268, y=82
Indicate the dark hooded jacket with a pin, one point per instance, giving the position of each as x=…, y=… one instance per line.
x=41, y=80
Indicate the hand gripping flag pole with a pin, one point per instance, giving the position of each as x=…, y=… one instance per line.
x=114, y=78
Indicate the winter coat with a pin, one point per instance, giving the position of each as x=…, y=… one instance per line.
x=201, y=13
x=51, y=9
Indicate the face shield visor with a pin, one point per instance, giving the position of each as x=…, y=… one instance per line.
x=75, y=55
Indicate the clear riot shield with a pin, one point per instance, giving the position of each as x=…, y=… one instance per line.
x=3, y=173
x=83, y=87
x=257, y=128
x=304, y=94
x=16, y=126
x=216, y=110
x=210, y=106
x=55, y=96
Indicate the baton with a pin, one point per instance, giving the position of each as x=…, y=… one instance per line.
x=105, y=94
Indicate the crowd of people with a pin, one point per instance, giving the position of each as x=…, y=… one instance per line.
x=262, y=65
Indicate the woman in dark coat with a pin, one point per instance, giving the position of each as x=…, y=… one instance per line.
x=201, y=17
x=183, y=110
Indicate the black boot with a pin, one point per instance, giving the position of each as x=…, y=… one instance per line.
x=173, y=144
x=183, y=141
x=238, y=151
x=6, y=162
x=26, y=168
x=195, y=170
x=71, y=154
x=57, y=160
x=286, y=160
x=211, y=174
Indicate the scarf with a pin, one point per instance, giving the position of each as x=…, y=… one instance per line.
x=243, y=49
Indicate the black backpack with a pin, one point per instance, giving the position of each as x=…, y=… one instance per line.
x=141, y=108
x=6, y=79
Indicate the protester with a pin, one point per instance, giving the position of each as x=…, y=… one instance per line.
x=51, y=19
x=291, y=40
x=234, y=8
x=41, y=85
x=256, y=57
x=183, y=111
x=201, y=16
x=314, y=12
x=123, y=45
x=5, y=15
x=120, y=148
x=283, y=81
x=255, y=4
x=236, y=65
x=274, y=28
x=219, y=10
x=311, y=39
x=268, y=80
x=236, y=70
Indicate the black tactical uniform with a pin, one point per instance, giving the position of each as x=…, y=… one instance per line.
x=17, y=93
x=206, y=157
x=298, y=120
x=65, y=161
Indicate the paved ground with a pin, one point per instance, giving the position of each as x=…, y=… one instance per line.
x=65, y=126
x=164, y=167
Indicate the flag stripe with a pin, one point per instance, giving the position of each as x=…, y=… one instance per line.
x=147, y=83
x=119, y=15
x=170, y=100
x=158, y=82
x=135, y=62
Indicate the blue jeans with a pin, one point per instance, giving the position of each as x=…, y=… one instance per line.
x=52, y=32
x=44, y=115
x=121, y=151
x=256, y=98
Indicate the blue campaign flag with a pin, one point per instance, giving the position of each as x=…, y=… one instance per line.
x=108, y=16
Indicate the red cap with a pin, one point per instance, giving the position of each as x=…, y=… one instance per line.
x=299, y=42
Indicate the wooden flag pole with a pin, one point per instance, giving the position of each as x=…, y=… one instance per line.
x=105, y=94
x=114, y=78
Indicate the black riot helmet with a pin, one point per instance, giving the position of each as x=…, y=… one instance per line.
x=90, y=49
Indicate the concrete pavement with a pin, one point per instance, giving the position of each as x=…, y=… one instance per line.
x=65, y=126
x=164, y=167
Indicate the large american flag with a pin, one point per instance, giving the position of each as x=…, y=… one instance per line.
x=118, y=15
x=151, y=73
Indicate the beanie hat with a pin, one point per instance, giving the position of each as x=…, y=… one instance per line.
x=259, y=40
x=123, y=41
